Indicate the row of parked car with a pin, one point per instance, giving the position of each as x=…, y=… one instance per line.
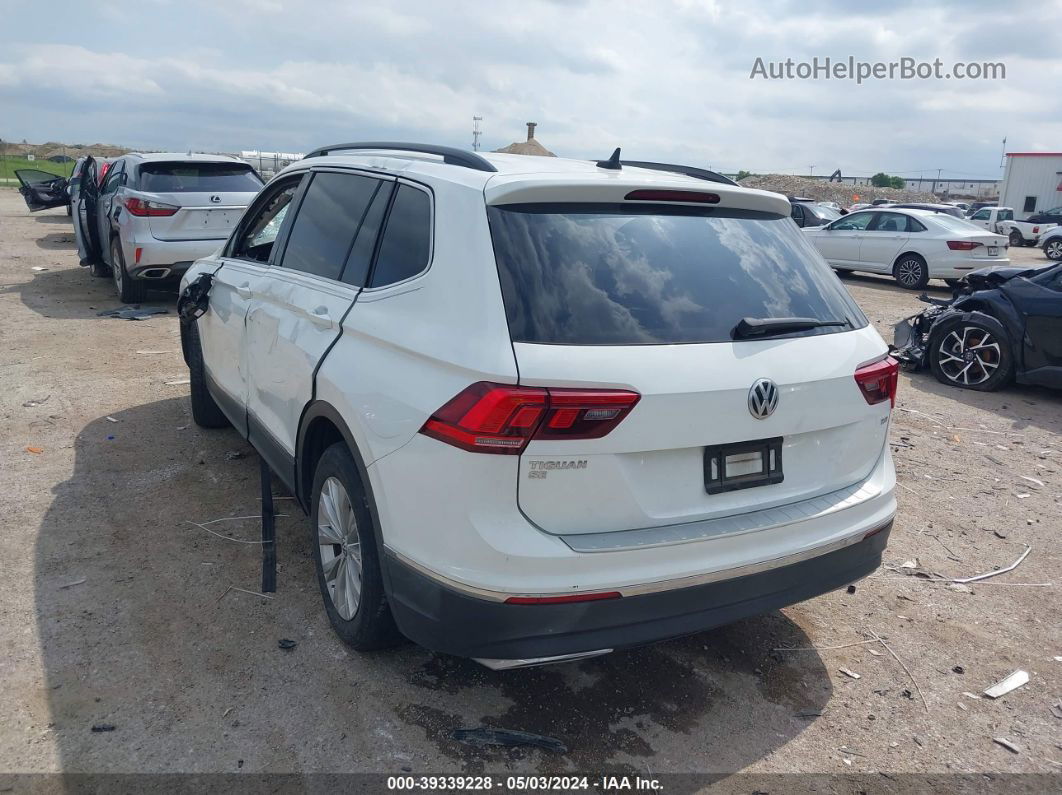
x=537, y=409
x=143, y=219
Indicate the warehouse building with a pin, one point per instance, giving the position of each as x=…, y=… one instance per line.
x=1032, y=182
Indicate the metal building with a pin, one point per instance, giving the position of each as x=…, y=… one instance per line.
x=1032, y=182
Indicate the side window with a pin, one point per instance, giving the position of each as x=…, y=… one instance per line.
x=1053, y=211
x=406, y=244
x=114, y=175
x=327, y=222
x=888, y=222
x=1030, y=204
x=356, y=271
x=914, y=225
x=797, y=214
x=263, y=225
x=980, y=215
x=1005, y=215
x=856, y=222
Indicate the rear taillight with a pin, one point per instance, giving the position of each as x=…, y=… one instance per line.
x=963, y=245
x=877, y=380
x=498, y=418
x=694, y=196
x=145, y=208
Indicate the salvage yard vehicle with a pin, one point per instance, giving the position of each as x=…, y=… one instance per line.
x=1019, y=233
x=913, y=246
x=539, y=409
x=949, y=209
x=1052, y=244
x=1003, y=324
x=42, y=190
x=808, y=212
x=154, y=214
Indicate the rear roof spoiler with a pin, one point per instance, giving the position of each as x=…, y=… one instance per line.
x=689, y=171
x=449, y=155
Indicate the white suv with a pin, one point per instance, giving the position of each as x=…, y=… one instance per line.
x=540, y=409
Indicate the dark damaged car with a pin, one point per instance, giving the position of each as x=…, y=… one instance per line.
x=1001, y=325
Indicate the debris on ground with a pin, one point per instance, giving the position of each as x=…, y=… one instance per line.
x=849, y=673
x=35, y=402
x=35, y=450
x=110, y=419
x=38, y=268
x=1004, y=570
x=243, y=590
x=1011, y=682
x=508, y=738
x=232, y=455
x=133, y=312
x=1007, y=744
x=82, y=581
x=287, y=644
x=103, y=727
x=179, y=381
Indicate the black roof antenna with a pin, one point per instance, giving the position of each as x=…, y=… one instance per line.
x=613, y=162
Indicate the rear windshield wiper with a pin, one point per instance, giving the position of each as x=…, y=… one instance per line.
x=770, y=326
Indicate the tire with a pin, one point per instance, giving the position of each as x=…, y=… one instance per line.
x=205, y=411
x=1015, y=238
x=911, y=272
x=130, y=291
x=69, y=211
x=972, y=354
x=1053, y=249
x=362, y=620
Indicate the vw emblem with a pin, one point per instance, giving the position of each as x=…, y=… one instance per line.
x=763, y=398
x=215, y=199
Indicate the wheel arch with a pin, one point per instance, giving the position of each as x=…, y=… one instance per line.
x=320, y=427
x=909, y=253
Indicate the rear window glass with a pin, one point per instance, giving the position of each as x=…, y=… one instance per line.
x=953, y=224
x=616, y=275
x=198, y=178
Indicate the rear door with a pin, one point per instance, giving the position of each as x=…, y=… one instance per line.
x=648, y=299
x=106, y=207
x=244, y=265
x=883, y=240
x=1040, y=300
x=42, y=190
x=296, y=312
x=211, y=197
x=84, y=210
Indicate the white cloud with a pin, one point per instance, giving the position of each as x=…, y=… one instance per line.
x=662, y=80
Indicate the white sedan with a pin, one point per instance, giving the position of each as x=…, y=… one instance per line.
x=913, y=246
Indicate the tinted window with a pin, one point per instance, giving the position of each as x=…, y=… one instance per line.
x=198, y=178
x=328, y=219
x=855, y=222
x=406, y=242
x=260, y=232
x=1030, y=204
x=980, y=215
x=114, y=173
x=614, y=275
x=889, y=222
x=914, y=225
x=357, y=268
x=826, y=214
x=1005, y=215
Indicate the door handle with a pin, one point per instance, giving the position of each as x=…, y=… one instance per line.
x=243, y=290
x=320, y=317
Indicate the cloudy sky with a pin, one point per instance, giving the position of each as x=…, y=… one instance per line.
x=665, y=80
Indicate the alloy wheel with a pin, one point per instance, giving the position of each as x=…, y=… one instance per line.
x=1053, y=249
x=969, y=355
x=909, y=272
x=116, y=267
x=337, y=535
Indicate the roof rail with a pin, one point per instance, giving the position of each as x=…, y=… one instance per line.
x=450, y=155
x=689, y=171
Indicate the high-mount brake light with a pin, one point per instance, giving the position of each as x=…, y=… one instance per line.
x=877, y=380
x=502, y=418
x=144, y=208
x=651, y=195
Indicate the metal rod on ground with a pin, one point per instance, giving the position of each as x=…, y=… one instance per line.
x=269, y=532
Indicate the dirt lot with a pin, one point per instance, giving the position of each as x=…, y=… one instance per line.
x=113, y=609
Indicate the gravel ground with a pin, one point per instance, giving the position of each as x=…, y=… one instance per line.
x=113, y=609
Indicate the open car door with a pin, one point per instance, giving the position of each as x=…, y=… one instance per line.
x=42, y=190
x=88, y=191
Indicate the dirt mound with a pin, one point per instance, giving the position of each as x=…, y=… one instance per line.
x=839, y=192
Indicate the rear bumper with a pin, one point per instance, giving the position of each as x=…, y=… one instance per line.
x=447, y=620
x=957, y=265
x=164, y=259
